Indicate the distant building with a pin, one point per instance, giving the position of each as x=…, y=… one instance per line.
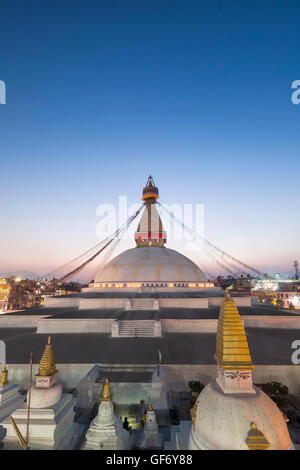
x=284, y=294
x=4, y=294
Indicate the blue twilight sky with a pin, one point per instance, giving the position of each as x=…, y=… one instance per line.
x=100, y=93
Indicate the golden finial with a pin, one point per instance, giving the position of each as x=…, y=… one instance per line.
x=150, y=407
x=150, y=191
x=286, y=419
x=227, y=295
x=232, y=350
x=106, y=392
x=47, y=365
x=256, y=440
x=3, y=379
x=193, y=412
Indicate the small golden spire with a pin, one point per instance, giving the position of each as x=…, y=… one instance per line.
x=232, y=350
x=256, y=440
x=150, y=407
x=47, y=365
x=106, y=392
x=286, y=419
x=193, y=412
x=227, y=295
x=3, y=379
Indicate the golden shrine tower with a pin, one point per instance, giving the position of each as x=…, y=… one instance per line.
x=150, y=230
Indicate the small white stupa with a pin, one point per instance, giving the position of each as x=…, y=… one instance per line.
x=10, y=398
x=51, y=421
x=106, y=430
x=152, y=438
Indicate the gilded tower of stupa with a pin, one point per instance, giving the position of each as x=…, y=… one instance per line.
x=47, y=365
x=150, y=230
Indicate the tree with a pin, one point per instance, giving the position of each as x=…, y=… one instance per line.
x=196, y=387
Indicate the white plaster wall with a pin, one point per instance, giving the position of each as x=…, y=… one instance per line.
x=190, y=326
x=82, y=377
x=257, y=321
x=102, y=303
x=63, y=325
x=239, y=301
x=177, y=377
x=183, y=303
x=210, y=326
x=57, y=302
x=19, y=321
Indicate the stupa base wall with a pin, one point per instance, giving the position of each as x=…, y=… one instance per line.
x=106, y=438
x=10, y=399
x=51, y=428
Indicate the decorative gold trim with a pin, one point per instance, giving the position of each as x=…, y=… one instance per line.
x=193, y=412
x=232, y=350
x=256, y=440
x=106, y=392
x=47, y=366
x=4, y=375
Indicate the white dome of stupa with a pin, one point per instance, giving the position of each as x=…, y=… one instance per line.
x=45, y=397
x=151, y=264
x=224, y=420
x=106, y=415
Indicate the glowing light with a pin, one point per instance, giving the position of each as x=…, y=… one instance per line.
x=266, y=285
x=295, y=300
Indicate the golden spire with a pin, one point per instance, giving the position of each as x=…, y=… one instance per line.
x=47, y=365
x=256, y=440
x=193, y=412
x=232, y=351
x=3, y=379
x=150, y=191
x=106, y=392
x=150, y=407
x=150, y=231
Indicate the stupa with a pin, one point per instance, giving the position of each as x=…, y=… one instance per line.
x=227, y=407
x=152, y=438
x=150, y=263
x=106, y=430
x=231, y=413
x=51, y=423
